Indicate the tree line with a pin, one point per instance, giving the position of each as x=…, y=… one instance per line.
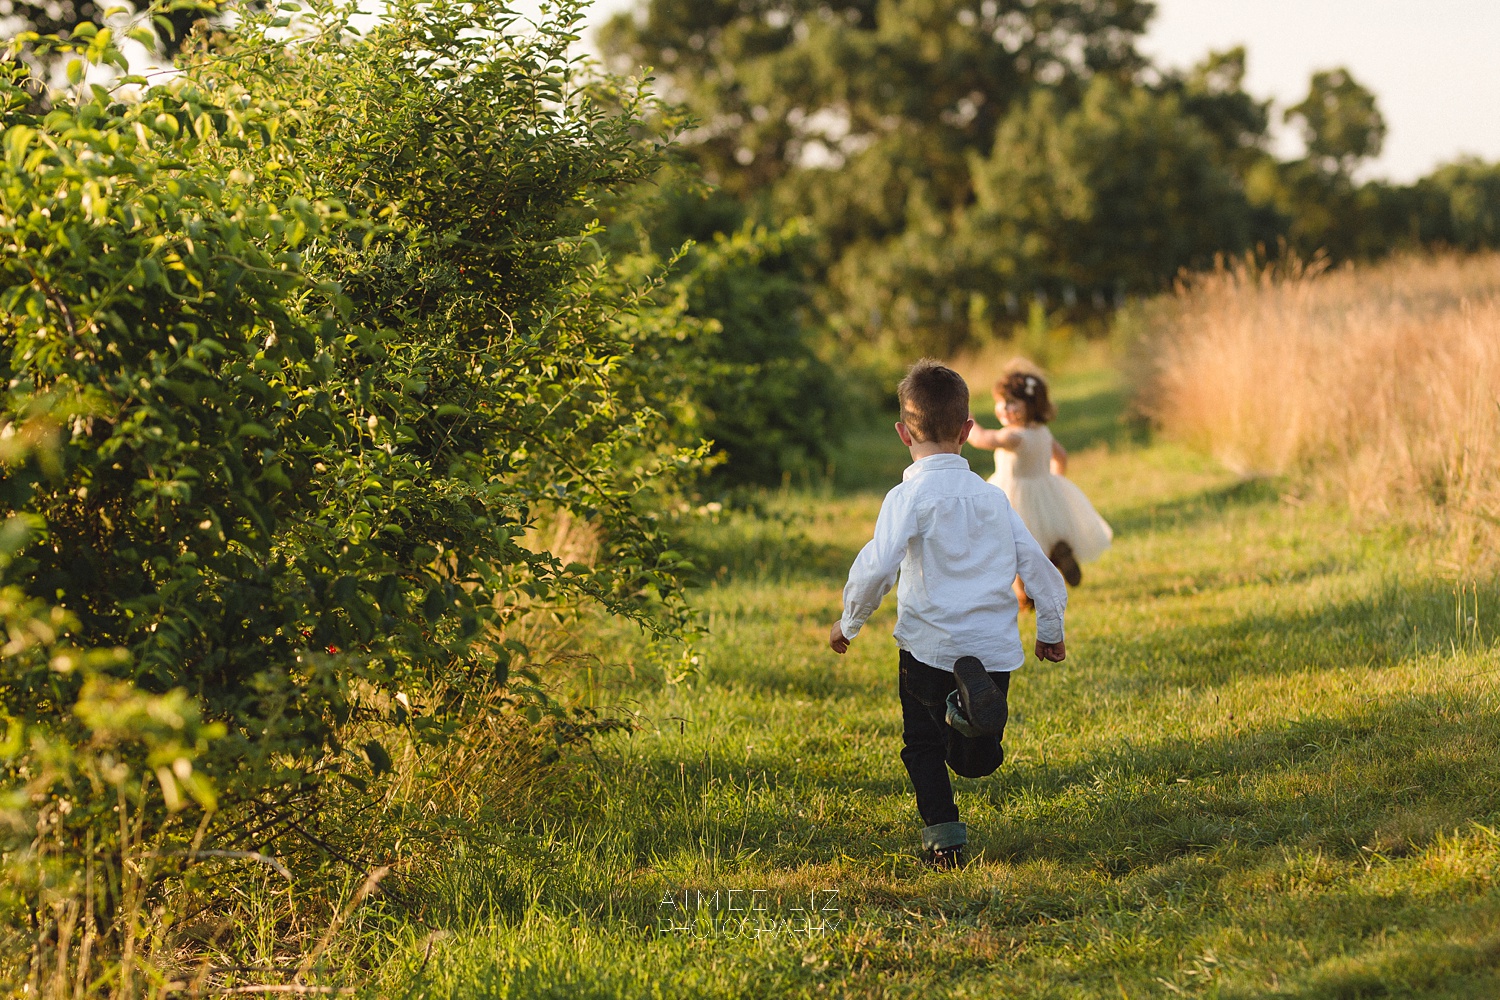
x=855, y=181
x=958, y=160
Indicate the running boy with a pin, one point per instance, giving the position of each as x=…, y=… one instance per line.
x=957, y=545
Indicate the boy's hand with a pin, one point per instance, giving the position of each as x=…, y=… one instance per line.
x=1054, y=651
x=836, y=640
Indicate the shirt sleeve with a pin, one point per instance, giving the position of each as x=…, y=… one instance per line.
x=874, y=570
x=1044, y=584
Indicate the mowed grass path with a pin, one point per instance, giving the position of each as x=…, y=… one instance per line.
x=1267, y=768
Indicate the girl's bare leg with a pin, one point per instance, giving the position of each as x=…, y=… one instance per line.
x=1021, y=596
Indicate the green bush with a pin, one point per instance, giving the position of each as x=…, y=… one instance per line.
x=755, y=377
x=314, y=335
x=770, y=401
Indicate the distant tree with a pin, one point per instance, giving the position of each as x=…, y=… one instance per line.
x=861, y=115
x=780, y=84
x=1340, y=122
x=1117, y=193
x=1465, y=198
x=769, y=402
x=755, y=383
x=1073, y=206
x=1213, y=92
x=1321, y=206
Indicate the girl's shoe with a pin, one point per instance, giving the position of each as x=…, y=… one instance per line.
x=1062, y=558
x=947, y=859
x=979, y=697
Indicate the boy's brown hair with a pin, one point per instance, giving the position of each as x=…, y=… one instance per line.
x=934, y=401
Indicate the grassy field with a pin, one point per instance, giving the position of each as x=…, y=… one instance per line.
x=1267, y=768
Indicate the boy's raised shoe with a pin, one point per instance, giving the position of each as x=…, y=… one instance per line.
x=943, y=845
x=1062, y=557
x=946, y=859
x=978, y=696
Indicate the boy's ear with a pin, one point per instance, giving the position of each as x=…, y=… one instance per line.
x=904, y=434
x=968, y=429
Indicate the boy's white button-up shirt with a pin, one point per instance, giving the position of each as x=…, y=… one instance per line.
x=957, y=545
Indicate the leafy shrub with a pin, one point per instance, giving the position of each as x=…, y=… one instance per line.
x=314, y=333
x=770, y=400
x=756, y=381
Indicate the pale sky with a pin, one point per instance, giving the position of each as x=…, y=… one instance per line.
x=1434, y=65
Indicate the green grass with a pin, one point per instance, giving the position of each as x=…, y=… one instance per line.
x=1266, y=769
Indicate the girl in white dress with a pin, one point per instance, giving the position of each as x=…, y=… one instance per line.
x=1029, y=467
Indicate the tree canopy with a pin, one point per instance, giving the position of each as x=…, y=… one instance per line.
x=863, y=117
x=956, y=155
x=1339, y=121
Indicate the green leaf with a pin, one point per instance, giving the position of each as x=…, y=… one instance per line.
x=17, y=139
x=380, y=760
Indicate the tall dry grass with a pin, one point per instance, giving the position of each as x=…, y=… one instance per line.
x=1381, y=383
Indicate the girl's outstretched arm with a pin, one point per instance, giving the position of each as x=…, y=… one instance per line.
x=1059, y=459
x=983, y=437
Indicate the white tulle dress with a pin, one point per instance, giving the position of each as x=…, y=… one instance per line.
x=1053, y=508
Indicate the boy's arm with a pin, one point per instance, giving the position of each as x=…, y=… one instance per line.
x=874, y=570
x=1044, y=584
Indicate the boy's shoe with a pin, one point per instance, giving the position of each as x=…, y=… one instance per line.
x=979, y=697
x=1067, y=565
x=947, y=859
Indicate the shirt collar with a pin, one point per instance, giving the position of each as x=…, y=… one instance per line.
x=932, y=463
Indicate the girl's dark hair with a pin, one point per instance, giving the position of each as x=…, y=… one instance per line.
x=1030, y=390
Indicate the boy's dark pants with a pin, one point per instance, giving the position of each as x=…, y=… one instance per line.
x=932, y=746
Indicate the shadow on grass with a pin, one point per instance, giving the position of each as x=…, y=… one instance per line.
x=1397, y=622
x=1383, y=777
x=763, y=547
x=1185, y=511
x=1271, y=826
x=1098, y=418
x=1384, y=781
x=778, y=675
x=1460, y=969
